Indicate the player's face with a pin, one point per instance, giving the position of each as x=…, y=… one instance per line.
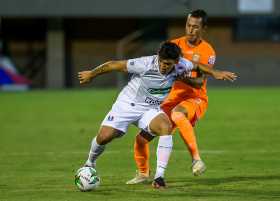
x=166, y=65
x=193, y=29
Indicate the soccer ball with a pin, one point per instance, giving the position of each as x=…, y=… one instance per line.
x=86, y=179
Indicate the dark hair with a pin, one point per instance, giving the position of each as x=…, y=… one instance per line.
x=199, y=13
x=169, y=50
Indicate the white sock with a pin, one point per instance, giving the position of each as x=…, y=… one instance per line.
x=164, y=150
x=95, y=151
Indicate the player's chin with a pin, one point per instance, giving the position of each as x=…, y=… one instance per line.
x=191, y=39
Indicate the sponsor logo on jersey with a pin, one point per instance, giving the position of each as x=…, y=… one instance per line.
x=195, y=57
x=159, y=91
x=131, y=63
x=151, y=101
x=211, y=60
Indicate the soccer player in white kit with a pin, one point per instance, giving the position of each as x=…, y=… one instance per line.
x=138, y=102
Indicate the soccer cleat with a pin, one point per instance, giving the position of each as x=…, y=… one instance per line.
x=159, y=183
x=139, y=178
x=198, y=167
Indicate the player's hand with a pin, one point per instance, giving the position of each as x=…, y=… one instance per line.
x=224, y=75
x=85, y=76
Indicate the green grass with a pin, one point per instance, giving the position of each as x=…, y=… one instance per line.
x=45, y=137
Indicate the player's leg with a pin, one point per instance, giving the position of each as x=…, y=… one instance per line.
x=165, y=144
x=142, y=151
x=162, y=126
x=141, y=157
x=156, y=122
x=182, y=115
x=114, y=125
x=105, y=135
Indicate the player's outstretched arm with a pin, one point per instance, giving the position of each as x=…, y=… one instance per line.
x=217, y=74
x=88, y=75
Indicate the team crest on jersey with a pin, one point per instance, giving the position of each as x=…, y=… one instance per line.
x=211, y=60
x=131, y=63
x=110, y=118
x=195, y=57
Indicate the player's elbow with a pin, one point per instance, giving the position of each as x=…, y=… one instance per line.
x=117, y=65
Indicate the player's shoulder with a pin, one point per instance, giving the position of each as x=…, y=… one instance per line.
x=178, y=40
x=141, y=64
x=145, y=59
x=206, y=46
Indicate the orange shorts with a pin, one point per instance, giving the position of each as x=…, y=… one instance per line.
x=196, y=108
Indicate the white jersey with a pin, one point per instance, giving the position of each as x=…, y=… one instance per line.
x=148, y=87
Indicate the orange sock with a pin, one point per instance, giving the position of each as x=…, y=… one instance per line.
x=186, y=132
x=142, y=154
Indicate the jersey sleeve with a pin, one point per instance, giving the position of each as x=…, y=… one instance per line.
x=183, y=66
x=209, y=57
x=137, y=65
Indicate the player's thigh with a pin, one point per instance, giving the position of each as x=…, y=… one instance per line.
x=188, y=107
x=121, y=115
x=193, y=107
x=155, y=122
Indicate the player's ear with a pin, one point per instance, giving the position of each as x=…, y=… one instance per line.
x=204, y=29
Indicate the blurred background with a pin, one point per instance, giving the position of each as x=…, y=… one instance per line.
x=44, y=43
x=45, y=131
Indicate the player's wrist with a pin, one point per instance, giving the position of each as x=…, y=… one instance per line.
x=92, y=73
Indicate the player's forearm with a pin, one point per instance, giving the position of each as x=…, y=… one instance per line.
x=206, y=69
x=108, y=67
x=218, y=74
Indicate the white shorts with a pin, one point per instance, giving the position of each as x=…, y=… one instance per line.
x=124, y=113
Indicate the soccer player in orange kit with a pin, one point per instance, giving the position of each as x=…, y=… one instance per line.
x=185, y=104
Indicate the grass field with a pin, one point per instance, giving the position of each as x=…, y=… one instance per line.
x=45, y=137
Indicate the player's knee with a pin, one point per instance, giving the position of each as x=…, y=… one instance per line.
x=181, y=110
x=140, y=141
x=160, y=125
x=177, y=116
x=101, y=139
x=164, y=128
x=106, y=135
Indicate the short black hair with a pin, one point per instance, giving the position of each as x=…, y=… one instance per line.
x=199, y=13
x=169, y=50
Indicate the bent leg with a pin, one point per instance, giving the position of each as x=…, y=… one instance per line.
x=141, y=157
x=162, y=126
x=105, y=135
x=164, y=149
x=180, y=116
x=142, y=151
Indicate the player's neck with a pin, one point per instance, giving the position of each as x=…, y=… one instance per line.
x=194, y=43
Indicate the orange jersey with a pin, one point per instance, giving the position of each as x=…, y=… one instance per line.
x=202, y=53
